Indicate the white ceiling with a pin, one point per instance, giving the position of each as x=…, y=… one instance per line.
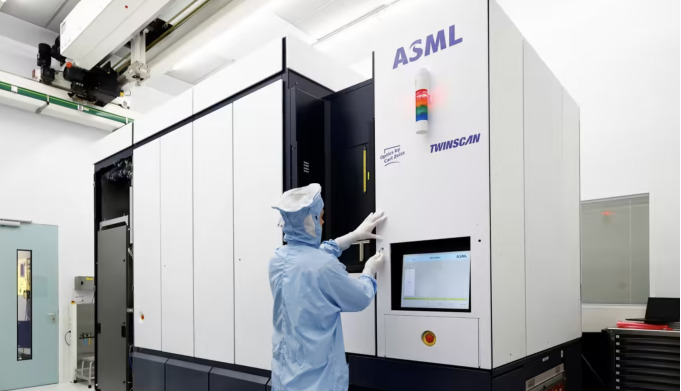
x=44, y=13
x=318, y=18
x=313, y=21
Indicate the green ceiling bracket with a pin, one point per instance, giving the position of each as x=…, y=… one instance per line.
x=64, y=103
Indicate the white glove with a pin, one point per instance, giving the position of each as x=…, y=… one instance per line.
x=373, y=264
x=363, y=232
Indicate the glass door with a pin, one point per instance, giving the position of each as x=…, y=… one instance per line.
x=28, y=299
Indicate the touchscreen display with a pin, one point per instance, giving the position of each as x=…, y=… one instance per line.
x=436, y=280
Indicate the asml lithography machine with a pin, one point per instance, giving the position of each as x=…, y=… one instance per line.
x=463, y=137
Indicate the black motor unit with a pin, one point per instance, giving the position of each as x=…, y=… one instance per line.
x=45, y=63
x=98, y=86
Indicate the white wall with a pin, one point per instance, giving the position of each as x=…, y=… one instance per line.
x=49, y=159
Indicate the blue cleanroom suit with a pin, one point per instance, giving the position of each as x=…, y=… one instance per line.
x=310, y=289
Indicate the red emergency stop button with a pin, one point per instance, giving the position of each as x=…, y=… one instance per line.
x=428, y=337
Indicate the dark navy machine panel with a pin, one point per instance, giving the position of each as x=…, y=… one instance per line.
x=183, y=376
x=378, y=373
x=228, y=380
x=149, y=372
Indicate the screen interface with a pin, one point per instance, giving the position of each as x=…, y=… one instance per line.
x=436, y=280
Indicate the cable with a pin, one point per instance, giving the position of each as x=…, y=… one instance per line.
x=66, y=340
x=594, y=372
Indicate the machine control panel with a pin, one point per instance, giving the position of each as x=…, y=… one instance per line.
x=432, y=275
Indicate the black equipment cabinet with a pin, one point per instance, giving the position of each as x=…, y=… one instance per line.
x=329, y=139
x=643, y=360
x=350, y=167
x=113, y=274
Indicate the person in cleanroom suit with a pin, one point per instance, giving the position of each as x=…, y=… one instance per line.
x=310, y=289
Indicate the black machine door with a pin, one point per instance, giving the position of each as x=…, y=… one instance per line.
x=112, y=291
x=332, y=143
x=307, y=139
x=351, y=193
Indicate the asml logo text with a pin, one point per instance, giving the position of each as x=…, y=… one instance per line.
x=434, y=42
x=457, y=142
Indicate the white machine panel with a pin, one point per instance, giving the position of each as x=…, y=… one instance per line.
x=146, y=224
x=317, y=66
x=113, y=143
x=570, y=207
x=258, y=181
x=552, y=212
x=259, y=65
x=507, y=188
x=96, y=28
x=213, y=237
x=445, y=187
x=177, y=285
x=162, y=117
x=359, y=329
x=456, y=340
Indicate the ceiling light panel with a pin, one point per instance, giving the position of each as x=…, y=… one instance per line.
x=321, y=17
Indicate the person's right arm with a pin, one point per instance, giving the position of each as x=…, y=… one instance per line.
x=348, y=293
x=345, y=292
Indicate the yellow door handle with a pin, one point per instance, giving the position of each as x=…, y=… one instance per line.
x=364, y=153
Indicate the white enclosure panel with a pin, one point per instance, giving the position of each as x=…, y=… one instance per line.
x=146, y=223
x=359, y=329
x=213, y=237
x=445, y=185
x=113, y=143
x=170, y=113
x=261, y=64
x=176, y=242
x=318, y=66
x=507, y=188
x=570, y=207
x=551, y=213
x=258, y=181
x=456, y=339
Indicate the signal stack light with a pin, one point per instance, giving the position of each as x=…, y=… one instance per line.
x=422, y=99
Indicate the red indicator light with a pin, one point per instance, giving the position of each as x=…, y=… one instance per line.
x=422, y=105
x=606, y=213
